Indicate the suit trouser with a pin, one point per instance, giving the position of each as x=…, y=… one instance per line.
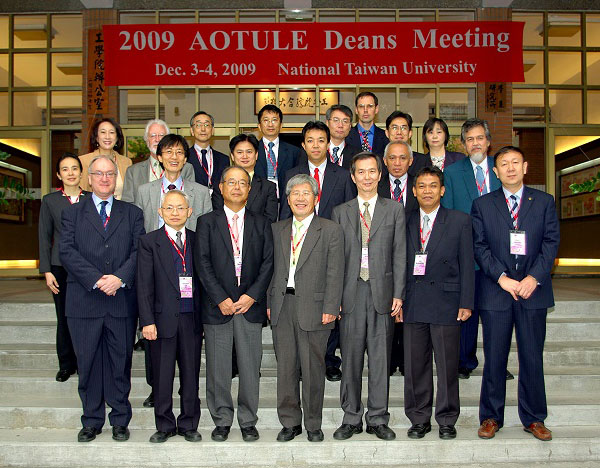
x=364, y=329
x=331, y=360
x=397, y=355
x=530, y=329
x=104, y=347
x=292, y=346
x=219, y=341
x=64, y=346
x=183, y=348
x=468, y=333
x=420, y=341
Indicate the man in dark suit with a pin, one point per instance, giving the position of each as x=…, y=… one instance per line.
x=150, y=170
x=516, y=236
x=398, y=185
x=98, y=248
x=275, y=157
x=339, y=120
x=398, y=127
x=375, y=253
x=439, y=295
x=335, y=187
x=304, y=300
x=169, y=301
x=262, y=198
x=208, y=163
x=465, y=181
x=365, y=134
x=234, y=261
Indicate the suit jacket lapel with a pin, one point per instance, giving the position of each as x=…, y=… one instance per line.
x=408, y=193
x=166, y=257
x=328, y=183
x=414, y=241
x=502, y=207
x=353, y=216
x=469, y=178
x=437, y=230
x=223, y=227
x=310, y=240
x=116, y=216
x=93, y=217
x=286, y=233
x=155, y=196
x=255, y=189
x=248, y=231
x=378, y=217
x=527, y=200
x=495, y=183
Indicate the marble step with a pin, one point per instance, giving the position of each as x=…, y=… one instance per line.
x=58, y=448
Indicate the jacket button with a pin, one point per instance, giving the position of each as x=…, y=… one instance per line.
x=106, y=246
x=176, y=315
x=432, y=283
x=177, y=298
x=108, y=262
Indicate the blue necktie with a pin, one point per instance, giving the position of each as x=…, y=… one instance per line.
x=271, y=162
x=103, y=215
x=336, y=158
x=480, y=180
x=397, y=191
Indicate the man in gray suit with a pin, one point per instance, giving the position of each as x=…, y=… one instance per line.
x=304, y=301
x=172, y=153
x=150, y=170
x=374, y=279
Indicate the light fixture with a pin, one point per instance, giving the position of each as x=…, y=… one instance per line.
x=31, y=32
x=70, y=68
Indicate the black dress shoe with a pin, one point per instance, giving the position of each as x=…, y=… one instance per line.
x=149, y=402
x=249, y=434
x=463, y=373
x=191, y=436
x=220, y=433
x=333, y=374
x=382, y=431
x=447, y=431
x=418, y=431
x=345, y=431
x=315, y=436
x=120, y=433
x=63, y=375
x=288, y=433
x=87, y=434
x=160, y=436
x=509, y=376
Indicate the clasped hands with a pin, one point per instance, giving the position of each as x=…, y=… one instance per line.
x=523, y=288
x=228, y=307
x=109, y=284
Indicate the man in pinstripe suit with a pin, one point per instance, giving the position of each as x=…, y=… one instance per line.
x=98, y=248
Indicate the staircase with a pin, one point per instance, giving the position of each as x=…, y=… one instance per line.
x=40, y=418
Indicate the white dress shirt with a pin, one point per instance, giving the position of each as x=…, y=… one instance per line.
x=305, y=225
x=341, y=147
x=371, y=208
x=98, y=200
x=275, y=142
x=173, y=233
x=240, y=224
x=484, y=166
x=431, y=216
x=403, y=182
x=321, y=167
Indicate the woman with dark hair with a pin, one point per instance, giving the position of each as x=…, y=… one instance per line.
x=106, y=137
x=68, y=170
x=435, y=139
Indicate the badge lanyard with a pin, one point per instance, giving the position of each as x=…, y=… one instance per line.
x=514, y=217
x=366, y=225
x=365, y=140
x=209, y=161
x=481, y=187
x=401, y=192
x=69, y=198
x=179, y=251
x=273, y=164
x=426, y=238
x=154, y=172
x=236, y=242
x=294, y=247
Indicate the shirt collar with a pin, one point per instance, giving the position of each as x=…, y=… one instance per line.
x=229, y=213
x=178, y=183
x=402, y=179
x=321, y=167
x=341, y=147
x=97, y=201
x=305, y=222
x=199, y=150
x=483, y=164
x=431, y=215
x=173, y=233
x=371, y=201
x=275, y=142
x=518, y=193
x=361, y=129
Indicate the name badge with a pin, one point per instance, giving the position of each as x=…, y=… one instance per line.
x=518, y=244
x=364, y=258
x=420, y=263
x=210, y=190
x=185, y=286
x=237, y=260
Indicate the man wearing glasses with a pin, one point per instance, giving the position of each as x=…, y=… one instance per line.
x=150, y=170
x=233, y=258
x=275, y=157
x=398, y=127
x=366, y=135
x=208, y=163
x=98, y=248
x=171, y=152
x=339, y=120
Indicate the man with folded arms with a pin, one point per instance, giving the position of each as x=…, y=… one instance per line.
x=169, y=300
x=516, y=236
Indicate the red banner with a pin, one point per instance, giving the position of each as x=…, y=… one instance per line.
x=313, y=53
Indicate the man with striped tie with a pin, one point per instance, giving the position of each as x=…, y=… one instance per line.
x=515, y=236
x=339, y=120
x=465, y=181
x=366, y=135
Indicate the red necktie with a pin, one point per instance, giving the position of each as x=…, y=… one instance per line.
x=318, y=182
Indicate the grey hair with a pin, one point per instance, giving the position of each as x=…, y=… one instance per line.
x=471, y=124
x=400, y=142
x=152, y=122
x=300, y=179
x=103, y=156
x=228, y=168
x=178, y=192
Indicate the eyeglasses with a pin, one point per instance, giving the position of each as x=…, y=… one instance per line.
x=152, y=136
x=274, y=121
x=171, y=153
x=402, y=128
x=101, y=175
x=337, y=121
x=303, y=193
x=202, y=124
x=171, y=209
x=233, y=182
